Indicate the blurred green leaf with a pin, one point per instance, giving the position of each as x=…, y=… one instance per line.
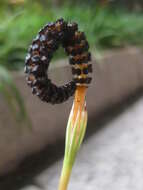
x=104, y=27
x=13, y=97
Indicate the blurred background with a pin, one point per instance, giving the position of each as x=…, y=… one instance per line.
x=32, y=133
x=107, y=24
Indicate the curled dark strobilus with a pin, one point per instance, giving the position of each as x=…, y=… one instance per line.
x=41, y=51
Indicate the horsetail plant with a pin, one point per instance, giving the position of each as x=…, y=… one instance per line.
x=36, y=65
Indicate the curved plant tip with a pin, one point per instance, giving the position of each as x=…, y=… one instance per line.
x=76, y=128
x=13, y=97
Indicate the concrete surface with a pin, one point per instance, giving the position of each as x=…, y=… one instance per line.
x=115, y=77
x=110, y=158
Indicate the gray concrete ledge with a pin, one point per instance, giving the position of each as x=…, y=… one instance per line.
x=115, y=77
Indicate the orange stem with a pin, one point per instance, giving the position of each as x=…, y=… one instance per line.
x=79, y=100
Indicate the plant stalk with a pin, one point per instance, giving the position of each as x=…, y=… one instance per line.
x=65, y=176
x=74, y=135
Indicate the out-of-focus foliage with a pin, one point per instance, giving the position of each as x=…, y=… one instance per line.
x=136, y=5
x=12, y=97
x=105, y=27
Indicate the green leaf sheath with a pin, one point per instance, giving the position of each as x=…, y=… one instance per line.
x=74, y=136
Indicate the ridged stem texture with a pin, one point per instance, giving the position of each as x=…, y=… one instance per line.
x=75, y=132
